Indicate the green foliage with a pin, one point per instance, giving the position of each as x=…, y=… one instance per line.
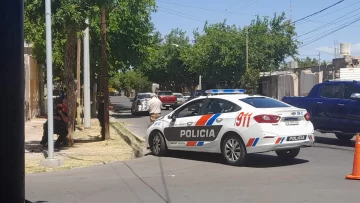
x=249, y=81
x=130, y=80
x=219, y=52
x=164, y=63
x=307, y=62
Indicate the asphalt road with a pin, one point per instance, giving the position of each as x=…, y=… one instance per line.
x=317, y=175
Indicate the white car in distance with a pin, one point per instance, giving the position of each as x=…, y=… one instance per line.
x=180, y=98
x=234, y=125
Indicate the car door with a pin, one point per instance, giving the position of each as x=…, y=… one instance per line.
x=184, y=131
x=349, y=109
x=221, y=112
x=326, y=114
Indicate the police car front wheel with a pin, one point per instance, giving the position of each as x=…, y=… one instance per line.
x=157, y=145
x=233, y=150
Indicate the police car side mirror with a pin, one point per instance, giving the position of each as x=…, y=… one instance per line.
x=172, y=117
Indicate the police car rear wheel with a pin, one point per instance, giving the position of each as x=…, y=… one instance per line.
x=158, y=147
x=287, y=154
x=234, y=151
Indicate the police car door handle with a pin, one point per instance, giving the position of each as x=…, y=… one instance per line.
x=190, y=123
x=218, y=120
x=341, y=104
x=319, y=102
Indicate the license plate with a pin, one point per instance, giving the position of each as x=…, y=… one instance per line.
x=167, y=105
x=291, y=122
x=296, y=138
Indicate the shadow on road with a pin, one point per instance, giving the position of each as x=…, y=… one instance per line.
x=128, y=116
x=254, y=160
x=335, y=142
x=27, y=201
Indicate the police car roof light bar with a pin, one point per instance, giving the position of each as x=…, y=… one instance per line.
x=225, y=91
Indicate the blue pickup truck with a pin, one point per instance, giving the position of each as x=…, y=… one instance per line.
x=334, y=107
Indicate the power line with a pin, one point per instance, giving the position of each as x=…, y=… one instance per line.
x=316, y=21
x=318, y=11
x=181, y=15
x=206, y=9
x=233, y=6
x=354, y=21
x=327, y=30
x=332, y=23
x=337, y=10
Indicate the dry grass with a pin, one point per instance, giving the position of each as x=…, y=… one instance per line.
x=88, y=150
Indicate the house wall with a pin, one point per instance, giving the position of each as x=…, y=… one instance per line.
x=32, y=86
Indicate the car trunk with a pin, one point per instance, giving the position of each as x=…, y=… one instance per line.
x=292, y=121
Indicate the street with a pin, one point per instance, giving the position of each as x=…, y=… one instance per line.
x=317, y=175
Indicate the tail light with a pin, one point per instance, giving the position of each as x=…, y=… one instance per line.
x=265, y=118
x=307, y=116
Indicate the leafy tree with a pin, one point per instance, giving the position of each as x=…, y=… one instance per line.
x=218, y=54
x=130, y=80
x=249, y=81
x=307, y=62
x=271, y=42
x=127, y=35
x=68, y=18
x=165, y=65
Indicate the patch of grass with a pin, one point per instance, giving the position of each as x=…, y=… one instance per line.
x=89, y=150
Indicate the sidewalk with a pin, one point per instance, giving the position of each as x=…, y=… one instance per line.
x=33, y=134
x=88, y=150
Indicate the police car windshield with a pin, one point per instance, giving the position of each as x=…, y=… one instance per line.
x=143, y=96
x=263, y=102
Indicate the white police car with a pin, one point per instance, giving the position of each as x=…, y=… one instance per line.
x=234, y=125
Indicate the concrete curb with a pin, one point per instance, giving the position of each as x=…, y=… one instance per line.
x=138, y=138
x=133, y=141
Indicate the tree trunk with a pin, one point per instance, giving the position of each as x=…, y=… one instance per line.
x=69, y=78
x=105, y=78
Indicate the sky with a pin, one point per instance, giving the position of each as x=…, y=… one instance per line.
x=340, y=23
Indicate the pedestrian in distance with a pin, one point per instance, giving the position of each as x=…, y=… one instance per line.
x=154, y=107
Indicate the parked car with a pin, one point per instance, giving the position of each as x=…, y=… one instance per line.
x=233, y=125
x=334, y=107
x=139, y=103
x=186, y=95
x=180, y=99
x=168, y=99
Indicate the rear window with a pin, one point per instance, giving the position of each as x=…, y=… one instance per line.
x=178, y=96
x=164, y=93
x=143, y=96
x=186, y=93
x=263, y=102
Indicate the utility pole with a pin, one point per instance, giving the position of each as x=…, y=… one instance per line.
x=319, y=67
x=78, y=81
x=200, y=86
x=247, y=48
x=105, y=77
x=86, y=89
x=290, y=11
x=49, y=79
x=12, y=87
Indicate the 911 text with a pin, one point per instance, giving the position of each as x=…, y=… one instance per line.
x=243, y=119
